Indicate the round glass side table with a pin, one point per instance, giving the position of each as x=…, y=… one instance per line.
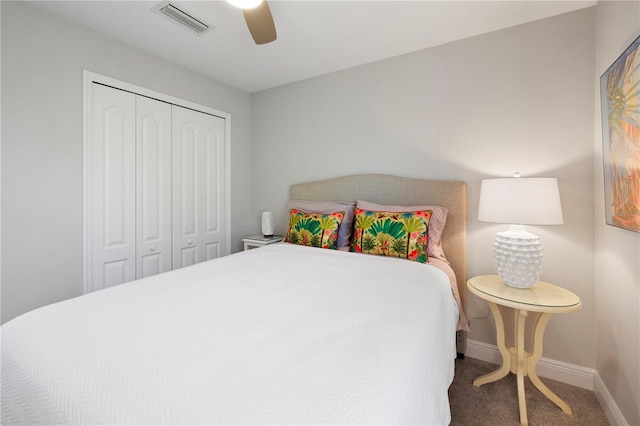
x=542, y=297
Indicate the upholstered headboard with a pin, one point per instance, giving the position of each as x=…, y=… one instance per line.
x=386, y=189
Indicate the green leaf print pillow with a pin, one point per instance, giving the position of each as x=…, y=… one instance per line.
x=395, y=234
x=314, y=229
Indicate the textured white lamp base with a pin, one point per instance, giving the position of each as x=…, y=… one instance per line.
x=518, y=255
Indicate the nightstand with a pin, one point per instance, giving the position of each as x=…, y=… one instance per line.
x=260, y=241
x=542, y=297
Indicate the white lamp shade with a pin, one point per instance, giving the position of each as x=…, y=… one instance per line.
x=518, y=200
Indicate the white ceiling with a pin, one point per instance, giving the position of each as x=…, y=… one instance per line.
x=314, y=36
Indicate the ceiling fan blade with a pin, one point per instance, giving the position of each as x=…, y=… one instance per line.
x=260, y=23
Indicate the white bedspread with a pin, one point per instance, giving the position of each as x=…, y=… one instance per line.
x=278, y=335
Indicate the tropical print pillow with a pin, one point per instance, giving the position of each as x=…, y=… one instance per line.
x=314, y=229
x=395, y=234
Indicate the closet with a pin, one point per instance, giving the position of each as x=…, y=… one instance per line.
x=155, y=187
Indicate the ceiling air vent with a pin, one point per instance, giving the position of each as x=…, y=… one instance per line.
x=182, y=18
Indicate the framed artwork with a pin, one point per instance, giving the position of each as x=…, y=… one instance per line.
x=620, y=95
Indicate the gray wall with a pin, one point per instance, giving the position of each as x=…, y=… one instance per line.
x=42, y=61
x=617, y=252
x=520, y=99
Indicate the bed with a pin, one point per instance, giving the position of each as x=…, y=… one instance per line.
x=284, y=334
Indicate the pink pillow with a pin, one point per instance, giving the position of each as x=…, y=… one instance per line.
x=436, y=223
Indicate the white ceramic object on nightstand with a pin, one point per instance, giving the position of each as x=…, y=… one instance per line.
x=267, y=224
x=518, y=255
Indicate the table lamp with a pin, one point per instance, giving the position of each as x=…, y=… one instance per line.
x=267, y=224
x=519, y=201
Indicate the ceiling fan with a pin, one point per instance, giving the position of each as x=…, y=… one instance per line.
x=256, y=13
x=258, y=18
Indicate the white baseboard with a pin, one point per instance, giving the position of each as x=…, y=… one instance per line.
x=606, y=401
x=564, y=372
x=575, y=375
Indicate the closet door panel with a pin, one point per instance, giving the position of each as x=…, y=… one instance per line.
x=187, y=183
x=214, y=186
x=116, y=272
x=151, y=264
x=153, y=186
x=188, y=256
x=112, y=187
x=212, y=250
x=199, y=197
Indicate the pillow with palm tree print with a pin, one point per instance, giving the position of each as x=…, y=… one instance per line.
x=395, y=234
x=314, y=229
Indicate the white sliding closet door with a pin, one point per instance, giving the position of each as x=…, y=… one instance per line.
x=199, y=186
x=111, y=174
x=153, y=187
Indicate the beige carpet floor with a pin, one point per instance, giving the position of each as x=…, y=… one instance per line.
x=497, y=403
